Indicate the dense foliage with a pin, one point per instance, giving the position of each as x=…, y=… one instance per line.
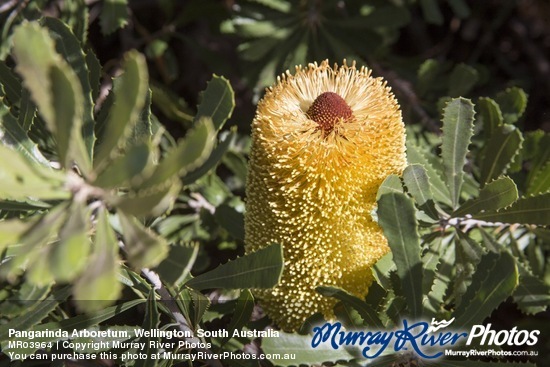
x=121, y=204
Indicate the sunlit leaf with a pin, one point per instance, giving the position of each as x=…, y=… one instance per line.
x=532, y=295
x=213, y=159
x=13, y=135
x=458, y=118
x=69, y=256
x=149, y=201
x=188, y=155
x=527, y=210
x=98, y=285
x=217, y=102
x=260, y=269
x=21, y=179
x=490, y=112
x=418, y=185
x=69, y=46
x=396, y=216
x=35, y=315
x=130, y=169
x=495, y=195
x=541, y=181
x=242, y=313
x=67, y=108
x=495, y=281
x=130, y=92
x=392, y=183
x=416, y=155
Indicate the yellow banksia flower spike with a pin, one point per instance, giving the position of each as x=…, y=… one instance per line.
x=323, y=140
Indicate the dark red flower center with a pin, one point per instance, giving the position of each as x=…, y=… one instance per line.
x=327, y=109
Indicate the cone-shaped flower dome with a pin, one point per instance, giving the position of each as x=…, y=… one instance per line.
x=323, y=140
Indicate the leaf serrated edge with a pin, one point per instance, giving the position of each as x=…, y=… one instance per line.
x=423, y=153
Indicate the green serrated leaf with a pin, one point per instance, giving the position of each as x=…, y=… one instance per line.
x=35, y=315
x=201, y=303
x=458, y=117
x=27, y=111
x=130, y=92
x=144, y=248
x=150, y=322
x=22, y=179
x=33, y=241
x=231, y=220
x=94, y=73
x=86, y=321
x=415, y=155
x=10, y=84
x=541, y=181
x=462, y=79
x=500, y=150
x=392, y=183
x=490, y=114
x=175, y=268
x=98, y=285
x=67, y=109
x=35, y=53
x=527, y=210
x=442, y=276
x=151, y=201
x=170, y=104
x=532, y=295
x=300, y=346
x=69, y=46
x=130, y=169
x=143, y=129
x=494, y=281
x=260, y=269
x=213, y=159
x=186, y=156
x=114, y=15
x=396, y=216
x=368, y=314
x=495, y=195
x=418, y=184
x=512, y=102
x=218, y=101
x=242, y=313
x=13, y=135
x=68, y=257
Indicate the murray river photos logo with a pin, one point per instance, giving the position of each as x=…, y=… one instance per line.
x=426, y=340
